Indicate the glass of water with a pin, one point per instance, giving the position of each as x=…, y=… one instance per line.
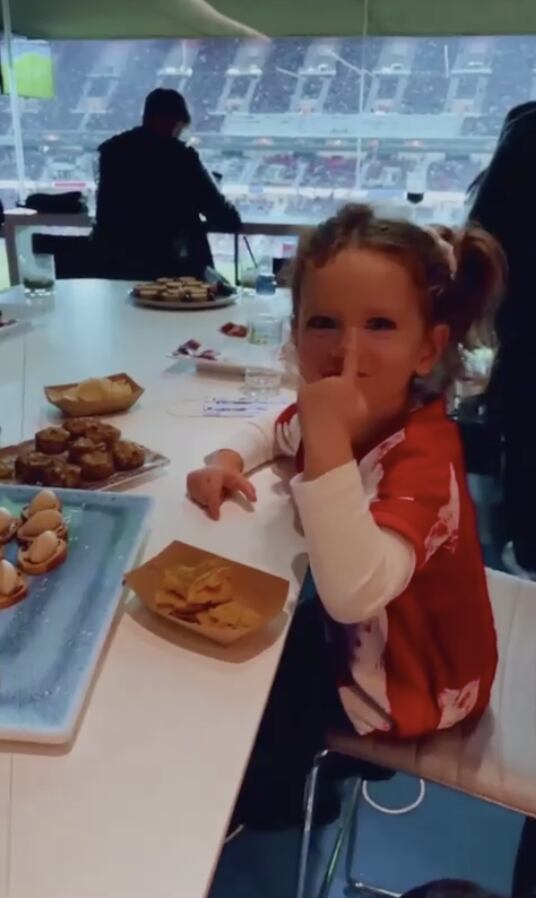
x=263, y=369
x=38, y=274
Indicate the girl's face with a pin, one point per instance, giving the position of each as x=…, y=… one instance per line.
x=373, y=293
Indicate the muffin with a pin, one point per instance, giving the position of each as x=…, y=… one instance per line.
x=7, y=469
x=30, y=466
x=77, y=427
x=96, y=465
x=81, y=446
x=62, y=474
x=100, y=432
x=127, y=455
x=52, y=440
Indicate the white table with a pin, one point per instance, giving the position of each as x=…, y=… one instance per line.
x=138, y=805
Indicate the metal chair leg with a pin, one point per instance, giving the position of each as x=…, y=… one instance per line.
x=345, y=824
x=310, y=795
x=355, y=885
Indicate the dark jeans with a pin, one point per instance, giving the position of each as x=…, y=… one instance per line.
x=524, y=882
x=303, y=705
x=518, y=375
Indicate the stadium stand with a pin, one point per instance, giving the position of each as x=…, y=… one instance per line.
x=286, y=133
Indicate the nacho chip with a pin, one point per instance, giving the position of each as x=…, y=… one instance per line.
x=231, y=615
x=206, y=583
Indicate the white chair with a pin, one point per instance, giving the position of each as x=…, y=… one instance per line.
x=494, y=759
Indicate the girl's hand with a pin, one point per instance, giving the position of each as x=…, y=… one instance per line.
x=335, y=406
x=209, y=486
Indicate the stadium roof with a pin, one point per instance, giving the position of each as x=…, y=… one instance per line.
x=200, y=18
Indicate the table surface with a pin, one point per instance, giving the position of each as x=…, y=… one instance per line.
x=138, y=804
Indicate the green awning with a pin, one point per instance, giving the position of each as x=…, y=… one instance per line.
x=199, y=18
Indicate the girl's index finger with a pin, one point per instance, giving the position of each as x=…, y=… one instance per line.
x=350, y=364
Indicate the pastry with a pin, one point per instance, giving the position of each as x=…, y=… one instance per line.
x=13, y=585
x=148, y=293
x=48, y=519
x=7, y=469
x=127, y=455
x=8, y=525
x=81, y=446
x=77, y=427
x=100, y=432
x=30, y=466
x=44, y=500
x=45, y=553
x=96, y=465
x=52, y=440
x=100, y=389
x=60, y=473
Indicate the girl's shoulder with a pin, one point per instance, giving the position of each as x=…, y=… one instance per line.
x=427, y=446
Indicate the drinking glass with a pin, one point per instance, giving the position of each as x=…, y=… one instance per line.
x=263, y=369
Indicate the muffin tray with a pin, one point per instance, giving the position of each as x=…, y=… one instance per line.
x=153, y=460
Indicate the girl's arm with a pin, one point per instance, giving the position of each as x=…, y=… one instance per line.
x=261, y=441
x=358, y=567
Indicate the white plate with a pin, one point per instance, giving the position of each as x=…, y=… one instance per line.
x=219, y=303
x=236, y=366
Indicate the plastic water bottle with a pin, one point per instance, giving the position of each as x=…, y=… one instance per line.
x=265, y=283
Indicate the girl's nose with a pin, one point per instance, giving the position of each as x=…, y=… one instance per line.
x=349, y=337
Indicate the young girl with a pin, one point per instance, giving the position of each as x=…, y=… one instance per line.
x=380, y=309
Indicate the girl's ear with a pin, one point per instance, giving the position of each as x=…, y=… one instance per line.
x=433, y=347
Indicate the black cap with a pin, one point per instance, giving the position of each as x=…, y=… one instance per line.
x=166, y=103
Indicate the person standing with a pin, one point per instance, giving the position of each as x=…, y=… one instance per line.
x=504, y=206
x=152, y=195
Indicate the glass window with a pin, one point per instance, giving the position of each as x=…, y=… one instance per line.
x=295, y=126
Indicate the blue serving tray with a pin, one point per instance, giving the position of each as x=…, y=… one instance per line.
x=51, y=641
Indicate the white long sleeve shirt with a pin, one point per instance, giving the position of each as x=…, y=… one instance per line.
x=358, y=567
x=399, y=525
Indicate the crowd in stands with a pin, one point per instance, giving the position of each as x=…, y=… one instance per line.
x=100, y=88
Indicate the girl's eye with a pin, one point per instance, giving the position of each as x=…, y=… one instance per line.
x=380, y=324
x=322, y=322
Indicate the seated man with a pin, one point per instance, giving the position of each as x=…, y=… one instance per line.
x=152, y=191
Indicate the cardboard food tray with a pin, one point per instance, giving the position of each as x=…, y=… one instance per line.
x=152, y=461
x=264, y=593
x=81, y=408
